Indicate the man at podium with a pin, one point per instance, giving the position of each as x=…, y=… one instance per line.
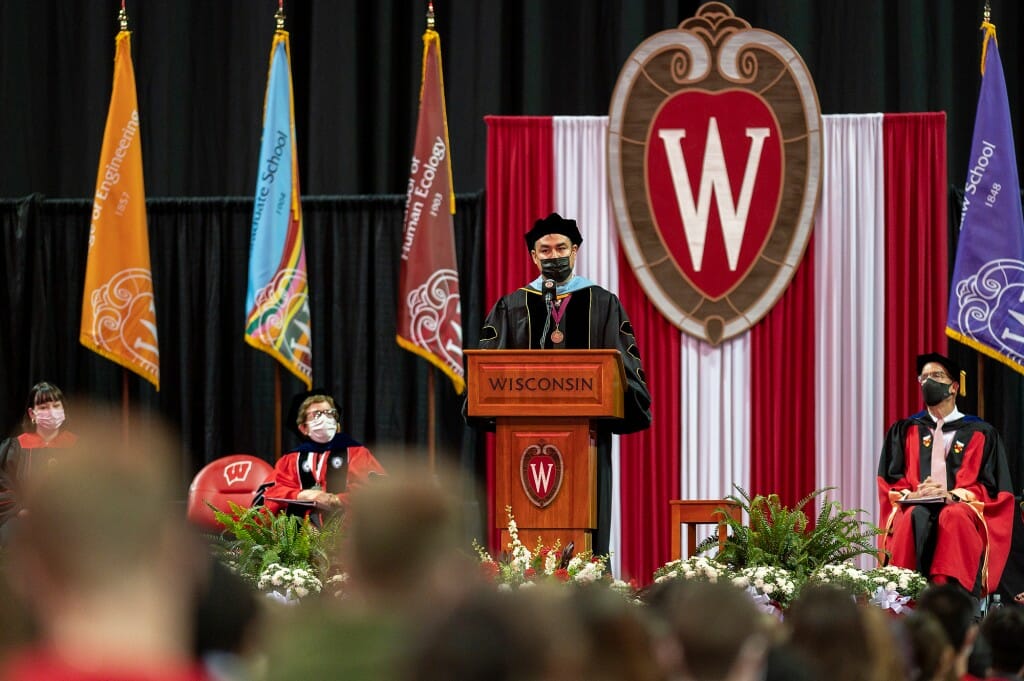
x=562, y=310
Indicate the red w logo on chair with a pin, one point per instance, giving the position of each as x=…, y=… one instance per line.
x=237, y=471
x=230, y=478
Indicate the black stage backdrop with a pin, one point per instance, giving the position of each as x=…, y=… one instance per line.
x=214, y=387
x=201, y=68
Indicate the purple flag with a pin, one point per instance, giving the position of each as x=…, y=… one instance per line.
x=986, y=300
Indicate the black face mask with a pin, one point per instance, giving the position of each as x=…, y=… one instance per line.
x=934, y=392
x=558, y=269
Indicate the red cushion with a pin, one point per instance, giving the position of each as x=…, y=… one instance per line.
x=229, y=478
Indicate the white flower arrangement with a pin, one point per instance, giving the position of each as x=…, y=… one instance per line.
x=336, y=583
x=776, y=583
x=904, y=582
x=890, y=588
x=293, y=582
x=697, y=568
x=521, y=568
x=846, y=576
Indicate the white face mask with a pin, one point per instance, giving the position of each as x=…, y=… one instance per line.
x=322, y=430
x=49, y=419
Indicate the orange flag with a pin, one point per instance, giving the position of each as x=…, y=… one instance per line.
x=118, y=314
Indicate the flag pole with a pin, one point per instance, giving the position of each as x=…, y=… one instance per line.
x=980, y=384
x=277, y=412
x=122, y=18
x=431, y=406
x=431, y=421
x=279, y=25
x=125, y=411
x=986, y=15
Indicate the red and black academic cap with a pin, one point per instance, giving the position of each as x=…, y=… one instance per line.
x=553, y=224
x=951, y=367
x=292, y=413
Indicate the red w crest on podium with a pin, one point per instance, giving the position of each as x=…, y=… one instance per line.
x=541, y=469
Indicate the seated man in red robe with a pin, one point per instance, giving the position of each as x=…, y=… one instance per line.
x=325, y=468
x=944, y=488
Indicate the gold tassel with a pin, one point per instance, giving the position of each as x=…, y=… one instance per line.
x=990, y=32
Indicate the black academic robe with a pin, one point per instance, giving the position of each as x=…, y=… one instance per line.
x=593, y=319
x=975, y=537
x=20, y=458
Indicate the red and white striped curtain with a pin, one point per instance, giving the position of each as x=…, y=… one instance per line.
x=802, y=400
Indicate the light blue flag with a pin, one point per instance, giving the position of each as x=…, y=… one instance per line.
x=277, y=298
x=986, y=299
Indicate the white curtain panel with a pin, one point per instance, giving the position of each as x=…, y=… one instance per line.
x=581, y=193
x=849, y=308
x=715, y=416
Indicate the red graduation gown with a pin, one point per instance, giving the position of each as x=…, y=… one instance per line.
x=968, y=540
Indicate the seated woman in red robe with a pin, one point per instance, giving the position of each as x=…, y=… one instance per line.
x=325, y=468
x=944, y=488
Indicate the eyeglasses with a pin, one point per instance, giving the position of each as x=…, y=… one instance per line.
x=940, y=376
x=314, y=415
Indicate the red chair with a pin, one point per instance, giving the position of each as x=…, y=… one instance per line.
x=230, y=478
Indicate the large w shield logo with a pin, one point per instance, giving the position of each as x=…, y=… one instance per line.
x=541, y=471
x=714, y=156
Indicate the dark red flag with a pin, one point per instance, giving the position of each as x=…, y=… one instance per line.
x=429, y=309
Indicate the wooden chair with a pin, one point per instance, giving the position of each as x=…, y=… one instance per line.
x=692, y=513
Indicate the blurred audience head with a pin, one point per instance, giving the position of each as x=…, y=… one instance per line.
x=1003, y=629
x=931, y=655
x=499, y=636
x=888, y=642
x=955, y=609
x=827, y=630
x=618, y=636
x=720, y=633
x=105, y=550
x=403, y=543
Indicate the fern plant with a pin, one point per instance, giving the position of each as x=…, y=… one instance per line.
x=254, y=539
x=777, y=536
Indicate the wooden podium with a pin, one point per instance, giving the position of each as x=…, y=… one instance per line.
x=545, y=403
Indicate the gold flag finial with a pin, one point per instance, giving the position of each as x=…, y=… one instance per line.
x=430, y=15
x=122, y=17
x=990, y=32
x=279, y=15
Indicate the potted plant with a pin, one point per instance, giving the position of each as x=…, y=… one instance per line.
x=777, y=536
x=280, y=554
